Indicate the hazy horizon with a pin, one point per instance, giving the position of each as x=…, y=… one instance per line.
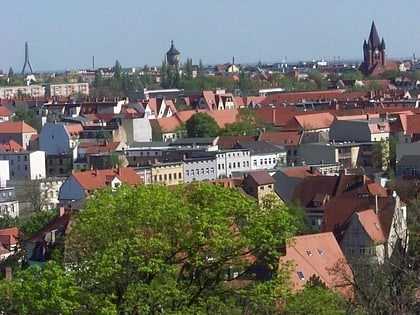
x=65, y=35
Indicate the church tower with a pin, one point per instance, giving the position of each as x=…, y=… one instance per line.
x=374, y=54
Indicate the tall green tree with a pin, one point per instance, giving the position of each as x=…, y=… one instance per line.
x=152, y=249
x=202, y=125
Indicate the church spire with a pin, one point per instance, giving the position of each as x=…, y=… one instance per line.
x=374, y=37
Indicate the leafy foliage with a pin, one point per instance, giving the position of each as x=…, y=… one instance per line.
x=149, y=248
x=202, y=125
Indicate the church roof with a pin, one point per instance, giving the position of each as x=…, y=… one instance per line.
x=374, y=40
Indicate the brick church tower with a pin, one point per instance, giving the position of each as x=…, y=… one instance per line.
x=374, y=54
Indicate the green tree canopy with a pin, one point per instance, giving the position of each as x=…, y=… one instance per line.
x=202, y=125
x=151, y=248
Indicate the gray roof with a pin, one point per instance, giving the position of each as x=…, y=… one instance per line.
x=409, y=160
x=194, y=141
x=259, y=147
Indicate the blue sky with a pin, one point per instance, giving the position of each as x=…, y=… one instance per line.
x=66, y=34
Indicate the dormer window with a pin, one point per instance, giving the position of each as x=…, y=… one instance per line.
x=301, y=275
x=309, y=252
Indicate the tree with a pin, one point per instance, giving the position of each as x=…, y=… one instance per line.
x=316, y=300
x=117, y=70
x=352, y=75
x=151, y=248
x=247, y=123
x=189, y=69
x=28, y=116
x=202, y=125
x=42, y=290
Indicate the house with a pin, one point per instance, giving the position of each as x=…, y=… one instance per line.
x=348, y=154
x=314, y=193
x=370, y=229
x=167, y=173
x=259, y=184
x=9, y=240
x=290, y=140
x=233, y=160
x=5, y=114
x=11, y=145
x=9, y=204
x=318, y=255
x=311, y=122
x=25, y=165
x=408, y=167
x=158, y=107
x=80, y=184
x=18, y=131
x=360, y=128
x=60, y=138
x=287, y=178
x=39, y=247
x=86, y=149
x=200, y=168
x=264, y=155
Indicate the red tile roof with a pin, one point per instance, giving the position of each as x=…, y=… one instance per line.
x=413, y=124
x=97, y=179
x=284, y=138
x=16, y=127
x=11, y=145
x=318, y=254
x=95, y=148
x=300, y=171
x=371, y=223
x=4, y=111
x=261, y=177
x=9, y=236
x=338, y=212
x=314, y=121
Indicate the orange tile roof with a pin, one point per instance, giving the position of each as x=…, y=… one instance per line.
x=299, y=171
x=314, y=121
x=338, y=212
x=95, y=148
x=371, y=223
x=11, y=145
x=16, y=127
x=9, y=236
x=413, y=124
x=318, y=254
x=4, y=111
x=74, y=129
x=97, y=179
x=169, y=124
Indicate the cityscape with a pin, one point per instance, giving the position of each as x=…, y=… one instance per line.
x=188, y=187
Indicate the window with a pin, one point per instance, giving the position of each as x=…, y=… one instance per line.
x=301, y=275
x=321, y=251
x=179, y=175
x=362, y=250
x=309, y=252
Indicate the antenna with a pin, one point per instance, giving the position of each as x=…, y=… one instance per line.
x=27, y=61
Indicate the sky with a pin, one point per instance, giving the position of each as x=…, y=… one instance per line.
x=66, y=34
